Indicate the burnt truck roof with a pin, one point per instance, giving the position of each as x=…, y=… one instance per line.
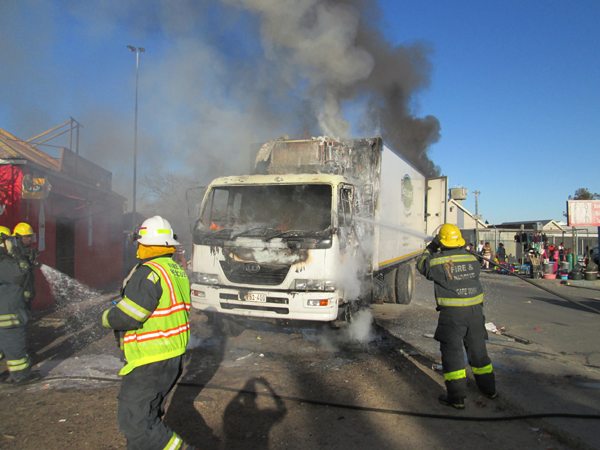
x=279, y=179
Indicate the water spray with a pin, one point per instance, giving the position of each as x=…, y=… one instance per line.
x=66, y=289
x=402, y=229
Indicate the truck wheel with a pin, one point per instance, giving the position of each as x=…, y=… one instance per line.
x=390, y=279
x=405, y=283
x=230, y=326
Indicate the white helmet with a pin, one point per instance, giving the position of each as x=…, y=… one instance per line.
x=157, y=231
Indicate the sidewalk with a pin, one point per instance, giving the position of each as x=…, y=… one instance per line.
x=489, y=274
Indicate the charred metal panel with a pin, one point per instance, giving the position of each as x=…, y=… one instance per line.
x=260, y=266
x=85, y=171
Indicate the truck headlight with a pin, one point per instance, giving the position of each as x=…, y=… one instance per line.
x=315, y=285
x=317, y=302
x=207, y=278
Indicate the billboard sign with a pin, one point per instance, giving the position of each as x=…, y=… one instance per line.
x=583, y=213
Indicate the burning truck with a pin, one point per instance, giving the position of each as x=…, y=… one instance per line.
x=320, y=229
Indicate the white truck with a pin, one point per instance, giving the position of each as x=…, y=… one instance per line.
x=321, y=228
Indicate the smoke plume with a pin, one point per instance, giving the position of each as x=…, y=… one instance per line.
x=216, y=77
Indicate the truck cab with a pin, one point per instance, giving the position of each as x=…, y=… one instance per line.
x=273, y=246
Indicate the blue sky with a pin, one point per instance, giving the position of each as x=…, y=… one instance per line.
x=513, y=84
x=516, y=88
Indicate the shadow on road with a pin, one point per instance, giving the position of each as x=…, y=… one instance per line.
x=246, y=424
x=591, y=303
x=182, y=416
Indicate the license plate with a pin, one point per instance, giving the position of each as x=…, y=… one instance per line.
x=251, y=297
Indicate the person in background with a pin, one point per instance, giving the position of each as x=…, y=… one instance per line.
x=179, y=257
x=480, y=248
x=154, y=316
x=15, y=310
x=556, y=255
x=551, y=248
x=501, y=253
x=561, y=252
x=487, y=253
x=470, y=247
x=461, y=324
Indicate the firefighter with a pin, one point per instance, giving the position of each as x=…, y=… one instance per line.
x=459, y=298
x=152, y=321
x=14, y=310
x=25, y=253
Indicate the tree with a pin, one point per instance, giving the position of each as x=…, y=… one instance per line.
x=584, y=194
x=165, y=194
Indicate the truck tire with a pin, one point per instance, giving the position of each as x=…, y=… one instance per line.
x=230, y=326
x=405, y=283
x=390, y=279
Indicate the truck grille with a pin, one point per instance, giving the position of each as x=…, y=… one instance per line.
x=265, y=277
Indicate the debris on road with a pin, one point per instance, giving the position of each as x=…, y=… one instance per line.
x=428, y=335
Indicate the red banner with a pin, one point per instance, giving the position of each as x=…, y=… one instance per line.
x=10, y=195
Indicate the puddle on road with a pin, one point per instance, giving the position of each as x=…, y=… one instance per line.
x=497, y=365
x=587, y=384
x=520, y=353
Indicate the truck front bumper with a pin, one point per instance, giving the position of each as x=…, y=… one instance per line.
x=291, y=305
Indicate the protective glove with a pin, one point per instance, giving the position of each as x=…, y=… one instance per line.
x=435, y=245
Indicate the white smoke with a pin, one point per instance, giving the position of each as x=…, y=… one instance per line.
x=359, y=330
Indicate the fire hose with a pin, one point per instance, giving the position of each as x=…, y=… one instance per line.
x=534, y=283
x=308, y=401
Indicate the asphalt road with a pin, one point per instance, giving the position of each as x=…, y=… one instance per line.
x=553, y=366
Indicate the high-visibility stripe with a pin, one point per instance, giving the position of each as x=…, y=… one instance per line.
x=460, y=301
x=447, y=259
x=16, y=365
x=166, y=278
x=457, y=375
x=105, y=323
x=133, y=310
x=156, y=334
x=167, y=311
x=174, y=443
x=482, y=370
x=426, y=253
x=9, y=320
x=8, y=316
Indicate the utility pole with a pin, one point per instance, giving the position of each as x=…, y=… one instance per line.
x=137, y=62
x=477, y=217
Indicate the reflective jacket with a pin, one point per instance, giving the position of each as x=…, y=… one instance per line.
x=455, y=274
x=14, y=311
x=154, y=313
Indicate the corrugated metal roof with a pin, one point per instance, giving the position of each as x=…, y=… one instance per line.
x=11, y=147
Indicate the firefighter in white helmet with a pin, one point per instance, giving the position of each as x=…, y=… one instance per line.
x=153, y=314
x=14, y=309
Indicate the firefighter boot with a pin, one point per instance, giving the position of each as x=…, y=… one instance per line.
x=455, y=402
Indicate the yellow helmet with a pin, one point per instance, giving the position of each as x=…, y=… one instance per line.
x=450, y=236
x=4, y=230
x=23, y=229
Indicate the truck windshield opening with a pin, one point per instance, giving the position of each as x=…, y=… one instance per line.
x=251, y=210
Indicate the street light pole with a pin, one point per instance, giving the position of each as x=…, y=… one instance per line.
x=476, y=217
x=137, y=52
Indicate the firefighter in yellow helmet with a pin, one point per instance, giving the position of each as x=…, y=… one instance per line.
x=26, y=255
x=14, y=311
x=152, y=318
x=459, y=297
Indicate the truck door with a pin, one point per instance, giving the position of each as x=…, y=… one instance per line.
x=346, y=218
x=435, y=203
